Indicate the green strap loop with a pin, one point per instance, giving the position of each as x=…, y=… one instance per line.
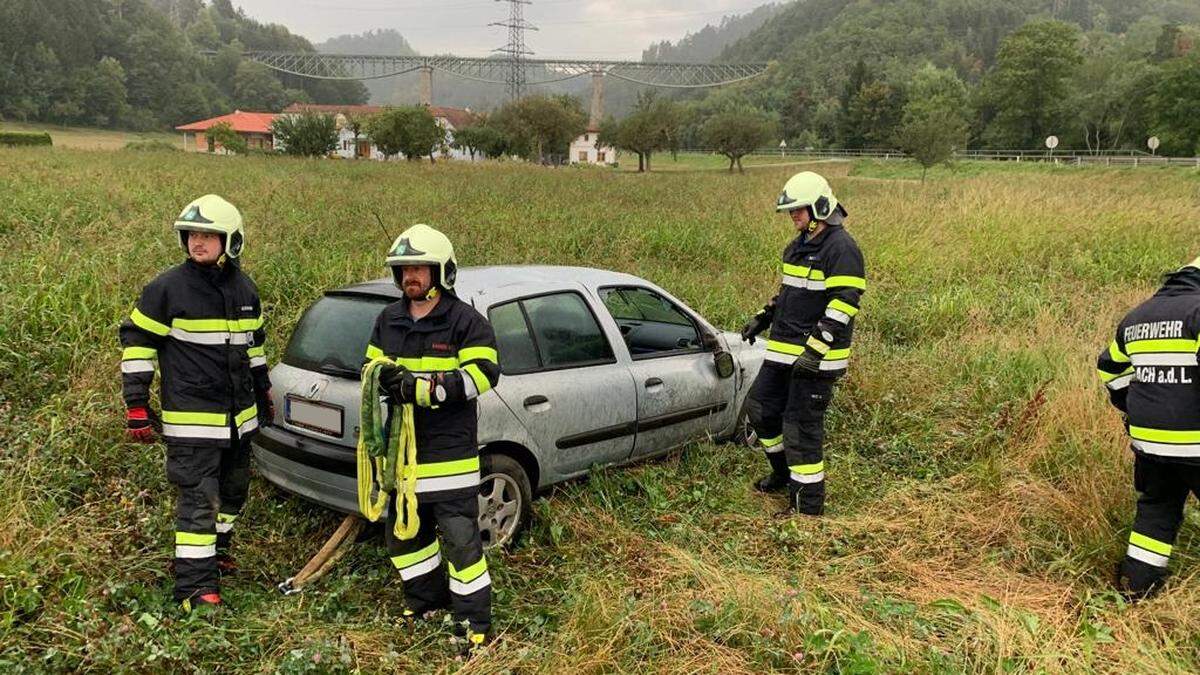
x=386, y=468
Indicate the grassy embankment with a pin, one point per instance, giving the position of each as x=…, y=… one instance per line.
x=979, y=487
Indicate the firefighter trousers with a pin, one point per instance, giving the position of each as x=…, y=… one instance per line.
x=451, y=529
x=211, y=485
x=1163, y=487
x=788, y=415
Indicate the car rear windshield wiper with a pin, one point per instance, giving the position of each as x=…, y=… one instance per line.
x=340, y=371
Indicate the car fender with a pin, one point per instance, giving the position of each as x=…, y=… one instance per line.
x=498, y=423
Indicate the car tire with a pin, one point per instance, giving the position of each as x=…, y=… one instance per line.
x=505, y=501
x=743, y=433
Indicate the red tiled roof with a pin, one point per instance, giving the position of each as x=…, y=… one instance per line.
x=334, y=109
x=242, y=122
x=457, y=117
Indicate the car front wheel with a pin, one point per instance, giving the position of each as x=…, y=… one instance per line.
x=505, y=498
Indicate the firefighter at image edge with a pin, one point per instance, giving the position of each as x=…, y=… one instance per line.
x=1150, y=371
x=812, y=323
x=201, y=322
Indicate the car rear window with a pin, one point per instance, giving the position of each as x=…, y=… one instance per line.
x=332, y=335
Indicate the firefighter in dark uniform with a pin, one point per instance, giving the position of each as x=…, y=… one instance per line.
x=445, y=355
x=1150, y=370
x=201, y=323
x=812, y=323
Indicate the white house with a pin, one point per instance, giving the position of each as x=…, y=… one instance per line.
x=587, y=150
x=350, y=147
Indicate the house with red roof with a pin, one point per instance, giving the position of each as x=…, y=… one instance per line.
x=255, y=127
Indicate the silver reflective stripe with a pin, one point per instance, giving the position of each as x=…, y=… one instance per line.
x=840, y=364
x=256, y=361
x=837, y=315
x=137, y=366
x=1148, y=557
x=459, y=588
x=780, y=358
x=248, y=426
x=773, y=449
x=424, y=567
x=214, y=338
x=183, y=551
x=1168, y=449
x=809, y=284
x=223, y=528
x=808, y=479
x=195, y=431
x=466, y=480
x=1120, y=383
x=1139, y=360
x=469, y=388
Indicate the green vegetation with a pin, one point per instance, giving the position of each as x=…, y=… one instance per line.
x=979, y=485
x=408, y=130
x=15, y=138
x=306, y=134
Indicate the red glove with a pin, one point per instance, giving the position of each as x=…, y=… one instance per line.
x=139, y=425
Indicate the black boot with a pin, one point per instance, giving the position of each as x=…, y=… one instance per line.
x=772, y=483
x=1137, y=581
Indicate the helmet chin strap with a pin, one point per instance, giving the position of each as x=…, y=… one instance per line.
x=433, y=293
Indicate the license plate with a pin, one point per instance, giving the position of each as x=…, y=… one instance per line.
x=315, y=416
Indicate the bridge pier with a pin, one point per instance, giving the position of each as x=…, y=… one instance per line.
x=597, y=115
x=426, y=86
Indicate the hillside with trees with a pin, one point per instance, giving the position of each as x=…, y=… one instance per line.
x=141, y=63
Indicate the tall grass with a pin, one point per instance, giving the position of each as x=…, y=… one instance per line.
x=979, y=487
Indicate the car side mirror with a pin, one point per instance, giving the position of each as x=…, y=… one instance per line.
x=724, y=363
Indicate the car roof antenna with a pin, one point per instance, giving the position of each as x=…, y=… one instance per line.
x=382, y=226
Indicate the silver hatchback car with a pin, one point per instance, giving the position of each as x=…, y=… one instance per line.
x=598, y=368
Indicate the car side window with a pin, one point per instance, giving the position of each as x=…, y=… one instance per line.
x=650, y=324
x=548, y=332
x=514, y=344
x=566, y=332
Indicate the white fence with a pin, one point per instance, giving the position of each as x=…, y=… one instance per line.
x=1105, y=158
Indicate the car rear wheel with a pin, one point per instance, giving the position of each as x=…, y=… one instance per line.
x=743, y=431
x=505, y=500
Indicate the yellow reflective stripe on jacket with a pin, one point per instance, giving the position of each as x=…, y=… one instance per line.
x=429, y=364
x=471, y=573
x=482, y=383
x=837, y=354
x=208, y=419
x=842, y=306
x=1115, y=353
x=1106, y=377
x=1163, y=435
x=256, y=351
x=803, y=272
x=373, y=352
x=846, y=282
x=477, y=353
x=1152, y=545
x=218, y=325
x=147, y=324
x=130, y=353
x=1175, y=346
x=452, y=468
x=784, y=348
x=817, y=344
x=194, y=539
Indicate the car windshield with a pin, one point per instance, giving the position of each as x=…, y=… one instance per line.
x=332, y=335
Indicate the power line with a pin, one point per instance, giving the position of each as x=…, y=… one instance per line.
x=515, y=49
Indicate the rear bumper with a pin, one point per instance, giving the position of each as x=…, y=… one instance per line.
x=316, y=471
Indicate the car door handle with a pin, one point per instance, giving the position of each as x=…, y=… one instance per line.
x=653, y=382
x=535, y=400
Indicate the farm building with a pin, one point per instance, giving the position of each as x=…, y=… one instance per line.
x=350, y=147
x=255, y=127
x=587, y=150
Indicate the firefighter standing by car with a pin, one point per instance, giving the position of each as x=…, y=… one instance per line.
x=811, y=322
x=443, y=357
x=1150, y=371
x=201, y=322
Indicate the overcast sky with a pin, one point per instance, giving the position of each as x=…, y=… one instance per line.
x=602, y=29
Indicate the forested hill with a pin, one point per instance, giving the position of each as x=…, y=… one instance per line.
x=707, y=43
x=138, y=63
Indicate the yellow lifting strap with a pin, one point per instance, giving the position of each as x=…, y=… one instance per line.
x=386, y=467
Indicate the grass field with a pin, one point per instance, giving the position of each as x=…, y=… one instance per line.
x=979, y=487
x=88, y=138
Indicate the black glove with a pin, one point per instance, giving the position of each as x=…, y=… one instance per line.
x=808, y=363
x=758, y=324
x=398, y=383
x=266, y=409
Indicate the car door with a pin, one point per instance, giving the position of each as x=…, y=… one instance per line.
x=680, y=397
x=560, y=377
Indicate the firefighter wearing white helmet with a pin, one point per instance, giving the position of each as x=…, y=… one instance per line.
x=812, y=324
x=200, y=326
x=443, y=358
